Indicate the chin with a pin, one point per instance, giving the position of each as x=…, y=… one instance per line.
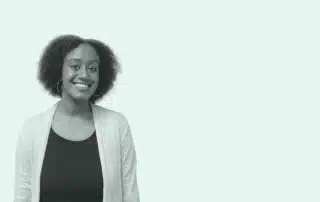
x=80, y=97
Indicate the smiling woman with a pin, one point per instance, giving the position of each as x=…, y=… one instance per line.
x=76, y=150
x=80, y=74
x=70, y=58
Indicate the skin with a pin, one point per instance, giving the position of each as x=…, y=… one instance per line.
x=73, y=118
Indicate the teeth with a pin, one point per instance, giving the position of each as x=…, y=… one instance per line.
x=80, y=85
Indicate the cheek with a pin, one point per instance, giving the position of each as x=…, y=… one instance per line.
x=95, y=77
x=67, y=78
x=67, y=82
x=67, y=86
x=67, y=74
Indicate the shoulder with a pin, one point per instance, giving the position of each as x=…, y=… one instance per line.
x=32, y=121
x=112, y=116
x=114, y=120
x=26, y=132
x=38, y=119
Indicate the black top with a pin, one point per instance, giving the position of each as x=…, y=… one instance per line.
x=71, y=171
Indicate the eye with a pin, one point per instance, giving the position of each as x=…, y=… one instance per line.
x=93, y=69
x=75, y=67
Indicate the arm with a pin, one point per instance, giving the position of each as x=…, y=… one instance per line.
x=23, y=166
x=129, y=164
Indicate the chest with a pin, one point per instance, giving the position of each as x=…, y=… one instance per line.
x=108, y=145
x=71, y=170
x=75, y=129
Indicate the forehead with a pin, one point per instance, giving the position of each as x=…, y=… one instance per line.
x=84, y=52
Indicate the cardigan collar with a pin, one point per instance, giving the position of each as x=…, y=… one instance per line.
x=96, y=112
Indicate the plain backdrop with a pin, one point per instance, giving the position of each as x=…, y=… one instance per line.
x=222, y=96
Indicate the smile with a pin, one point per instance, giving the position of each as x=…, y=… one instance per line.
x=82, y=86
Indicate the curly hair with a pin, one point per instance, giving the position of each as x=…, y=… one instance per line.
x=52, y=58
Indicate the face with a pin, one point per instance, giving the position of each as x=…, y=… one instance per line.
x=80, y=73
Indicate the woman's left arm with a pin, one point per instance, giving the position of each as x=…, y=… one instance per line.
x=129, y=165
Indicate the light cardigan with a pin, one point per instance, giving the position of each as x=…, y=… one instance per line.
x=116, y=150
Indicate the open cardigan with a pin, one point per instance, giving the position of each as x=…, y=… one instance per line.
x=116, y=151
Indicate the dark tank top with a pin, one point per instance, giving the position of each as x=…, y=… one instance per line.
x=71, y=170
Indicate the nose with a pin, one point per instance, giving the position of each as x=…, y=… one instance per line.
x=83, y=72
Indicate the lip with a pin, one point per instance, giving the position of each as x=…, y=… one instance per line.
x=82, y=86
x=83, y=83
x=80, y=82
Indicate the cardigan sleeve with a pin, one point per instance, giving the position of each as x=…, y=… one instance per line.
x=129, y=165
x=23, y=166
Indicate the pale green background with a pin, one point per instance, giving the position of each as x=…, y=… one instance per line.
x=222, y=96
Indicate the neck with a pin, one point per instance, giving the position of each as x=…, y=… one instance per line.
x=73, y=107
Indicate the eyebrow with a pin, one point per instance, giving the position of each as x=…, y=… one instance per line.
x=79, y=60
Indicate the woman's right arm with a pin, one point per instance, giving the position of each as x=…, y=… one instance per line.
x=23, y=166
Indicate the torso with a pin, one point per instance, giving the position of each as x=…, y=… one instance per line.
x=71, y=169
x=73, y=128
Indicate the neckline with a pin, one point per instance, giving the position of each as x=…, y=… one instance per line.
x=54, y=110
x=73, y=141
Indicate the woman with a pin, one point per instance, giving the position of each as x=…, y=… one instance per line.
x=76, y=150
